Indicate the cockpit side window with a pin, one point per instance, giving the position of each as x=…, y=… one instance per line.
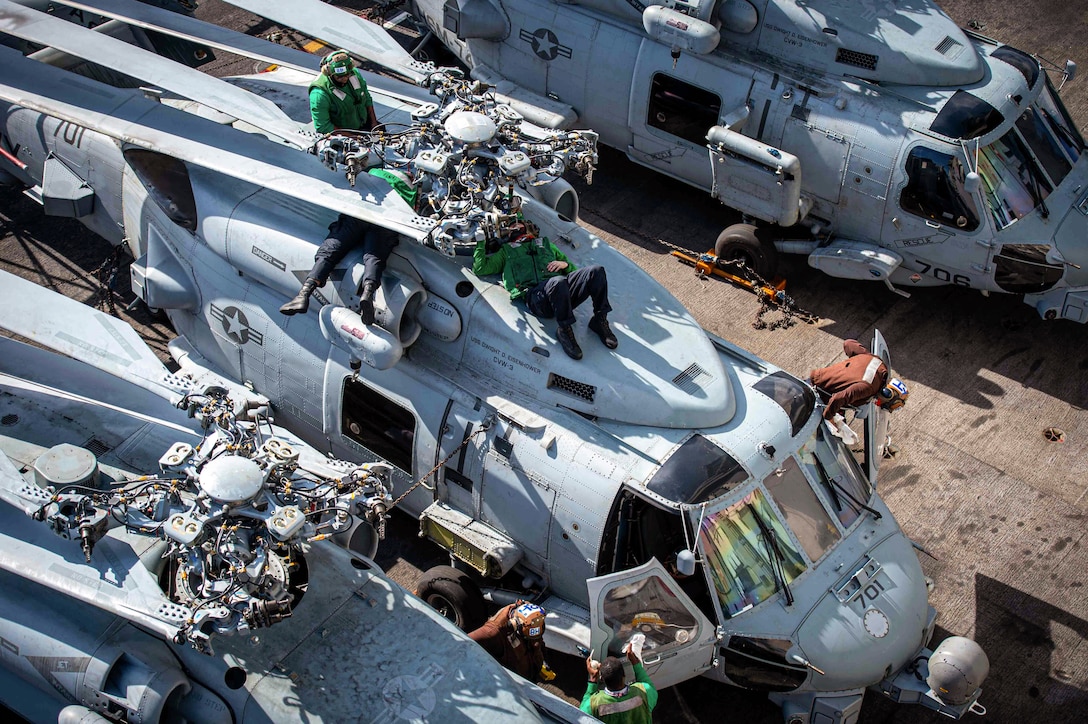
x=965, y=116
x=378, y=424
x=1028, y=66
x=935, y=189
x=649, y=606
x=1057, y=118
x=681, y=109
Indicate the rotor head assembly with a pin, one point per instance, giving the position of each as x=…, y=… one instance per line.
x=468, y=155
x=236, y=513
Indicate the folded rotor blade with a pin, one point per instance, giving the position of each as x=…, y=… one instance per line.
x=149, y=17
x=340, y=29
x=41, y=28
x=83, y=333
x=128, y=116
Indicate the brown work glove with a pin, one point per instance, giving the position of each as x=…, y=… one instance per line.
x=502, y=616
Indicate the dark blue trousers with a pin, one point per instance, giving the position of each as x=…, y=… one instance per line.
x=345, y=234
x=558, y=296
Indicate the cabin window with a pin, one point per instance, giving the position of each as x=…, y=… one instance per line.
x=378, y=424
x=1023, y=269
x=804, y=515
x=935, y=189
x=681, y=109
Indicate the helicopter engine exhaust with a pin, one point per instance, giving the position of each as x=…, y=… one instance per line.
x=559, y=196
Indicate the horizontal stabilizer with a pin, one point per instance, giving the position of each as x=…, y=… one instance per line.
x=44, y=29
x=128, y=116
x=83, y=333
x=177, y=25
x=340, y=29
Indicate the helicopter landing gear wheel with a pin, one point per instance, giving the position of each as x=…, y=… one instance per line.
x=454, y=595
x=739, y=243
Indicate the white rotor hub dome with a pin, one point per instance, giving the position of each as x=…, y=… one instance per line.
x=470, y=127
x=231, y=479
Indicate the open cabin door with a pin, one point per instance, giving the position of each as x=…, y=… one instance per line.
x=680, y=640
x=878, y=420
x=669, y=116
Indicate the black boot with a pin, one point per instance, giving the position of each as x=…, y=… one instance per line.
x=569, y=343
x=599, y=324
x=301, y=302
x=366, y=303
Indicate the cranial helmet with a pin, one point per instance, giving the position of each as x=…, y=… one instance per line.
x=517, y=232
x=337, y=64
x=528, y=621
x=893, y=395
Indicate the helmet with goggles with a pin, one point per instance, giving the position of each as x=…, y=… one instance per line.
x=893, y=395
x=528, y=621
x=337, y=64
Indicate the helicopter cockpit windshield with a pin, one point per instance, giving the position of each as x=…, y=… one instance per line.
x=746, y=545
x=1020, y=169
x=746, y=565
x=826, y=459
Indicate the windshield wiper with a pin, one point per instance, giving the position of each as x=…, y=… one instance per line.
x=826, y=480
x=833, y=484
x=1037, y=191
x=1064, y=132
x=1034, y=188
x=771, y=541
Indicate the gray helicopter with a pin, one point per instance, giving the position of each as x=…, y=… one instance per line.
x=169, y=554
x=677, y=486
x=875, y=137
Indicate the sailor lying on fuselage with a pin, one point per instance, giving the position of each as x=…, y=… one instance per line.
x=535, y=270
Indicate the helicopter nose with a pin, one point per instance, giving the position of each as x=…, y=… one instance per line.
x=872, y=621
x=1071, y=242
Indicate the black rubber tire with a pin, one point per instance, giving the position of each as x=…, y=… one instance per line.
x=740, y=243
x=454, y=595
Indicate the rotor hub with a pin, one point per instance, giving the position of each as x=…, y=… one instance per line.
x=470, y=127
x=231, y=479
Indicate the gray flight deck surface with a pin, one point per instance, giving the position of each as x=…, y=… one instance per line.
x=975, y=483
